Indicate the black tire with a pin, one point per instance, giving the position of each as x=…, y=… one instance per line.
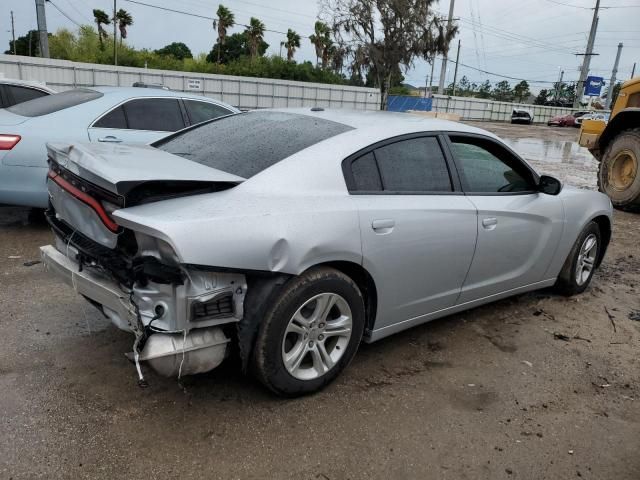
x=567, y=284
x=268, y=362
x=610, y=180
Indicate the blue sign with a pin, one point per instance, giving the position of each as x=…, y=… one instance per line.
x=593, y=86
x=402, y=103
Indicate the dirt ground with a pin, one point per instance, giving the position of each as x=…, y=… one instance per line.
x=534, y=387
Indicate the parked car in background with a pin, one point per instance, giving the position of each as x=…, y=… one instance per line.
x=604, y=117
x=295, y=234
x=562, y=121
x=520, y=115
x=13, y=92
x=102, y=114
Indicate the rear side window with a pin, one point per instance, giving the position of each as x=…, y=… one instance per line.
x=53, y=103
x=415, y=165
x=202, y=111
x=114, y=119
x=248, y=143
x=158, y=114
x=24, y=94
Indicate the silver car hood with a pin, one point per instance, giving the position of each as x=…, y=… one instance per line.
x=118, y=168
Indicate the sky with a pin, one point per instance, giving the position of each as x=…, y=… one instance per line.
x=532, y=40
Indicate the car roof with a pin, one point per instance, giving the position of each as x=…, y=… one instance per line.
x=395, y=122
x=128, y=92
x=26, y=83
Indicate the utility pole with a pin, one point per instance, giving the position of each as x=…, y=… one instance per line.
x=559, y=85
x=430, y=83
x=443, y=70
x=455, y=72
x=42, y=29
x=584, y=71
x=633, y=70
x=612, y=81
x=115, y=36
x=13, y=33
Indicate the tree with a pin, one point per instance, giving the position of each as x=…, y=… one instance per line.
x=502, y=92
x=176, y=49
x=320, y=39
x=235, y=47
x=383, y=35
x=521, y=91
x=292, y=43
x=124, y=20
x=101, y=18
x=615, y=92
x=27, y=45
x=484, y=90
x=541, y=99
x=225, y=21
x=255, y=36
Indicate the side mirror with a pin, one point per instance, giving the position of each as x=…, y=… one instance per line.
x=549, y=185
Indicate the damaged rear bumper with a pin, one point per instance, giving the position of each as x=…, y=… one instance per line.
x=185, y=336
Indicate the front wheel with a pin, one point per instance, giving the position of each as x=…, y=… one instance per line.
x=580, y=265
x=619, y=171
x=310, y=333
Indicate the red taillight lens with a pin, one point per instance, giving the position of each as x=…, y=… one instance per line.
x=7, y=142
x=86, y=199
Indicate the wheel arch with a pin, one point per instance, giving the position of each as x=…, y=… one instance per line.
x=625, y=120
x=604, y=223
x=365, y=283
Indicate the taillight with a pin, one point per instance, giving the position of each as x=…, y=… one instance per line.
x=7, y=142
x=86, y=199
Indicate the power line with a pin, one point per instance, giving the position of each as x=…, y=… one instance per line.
x=63, y=13
x=199, y=16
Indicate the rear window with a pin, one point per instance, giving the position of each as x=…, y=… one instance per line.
x=54, y=103
x=248, y=143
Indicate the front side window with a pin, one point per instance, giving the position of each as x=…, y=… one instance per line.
x=485, y=167
x=158, y=114
x=202, y=111
x=412, y=165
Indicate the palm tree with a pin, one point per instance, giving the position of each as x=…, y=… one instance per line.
x=124, y=20
x=101, y=18
x=328, y=49
x=225, y=21
x=255, y=35
x=319, y=39
x=293, y=42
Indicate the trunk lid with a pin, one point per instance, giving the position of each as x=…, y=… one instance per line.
x=121, y=168
x=8, y=119
x=87, y=183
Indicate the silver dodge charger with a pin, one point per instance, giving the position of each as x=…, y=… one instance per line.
x=284, y=238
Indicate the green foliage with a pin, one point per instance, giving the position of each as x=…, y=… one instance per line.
x=616, y=91
x=27, y=45
x=84, y=46
x=541, y=99
x=255, y=36
x=234, y=47
x=176, y=49
x=502, y=91
x=521, y=91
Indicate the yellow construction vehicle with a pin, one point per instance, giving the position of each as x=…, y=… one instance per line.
x=616, y=145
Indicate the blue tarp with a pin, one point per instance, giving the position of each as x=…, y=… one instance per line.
x=402, y=103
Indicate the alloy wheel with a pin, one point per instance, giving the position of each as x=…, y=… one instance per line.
x=586, y=259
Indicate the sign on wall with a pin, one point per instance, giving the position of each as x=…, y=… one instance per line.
x=593, y=86
x=194, y=84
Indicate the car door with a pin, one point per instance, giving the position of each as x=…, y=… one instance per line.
x=200, y=111
x=518, y=227
x=139, y=120
x=418, y=231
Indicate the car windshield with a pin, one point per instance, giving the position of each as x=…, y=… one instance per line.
x=248, y=143
x=53, y=103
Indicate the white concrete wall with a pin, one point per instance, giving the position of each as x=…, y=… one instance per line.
x=490, y=110
x=242, y=92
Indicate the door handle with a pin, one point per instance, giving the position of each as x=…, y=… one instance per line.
x=384, y=225
x=490, y=223
x=110, y=139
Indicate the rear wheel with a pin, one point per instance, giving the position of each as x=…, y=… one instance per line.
x=580, y=265
x=310, y=333
x=619, y=171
